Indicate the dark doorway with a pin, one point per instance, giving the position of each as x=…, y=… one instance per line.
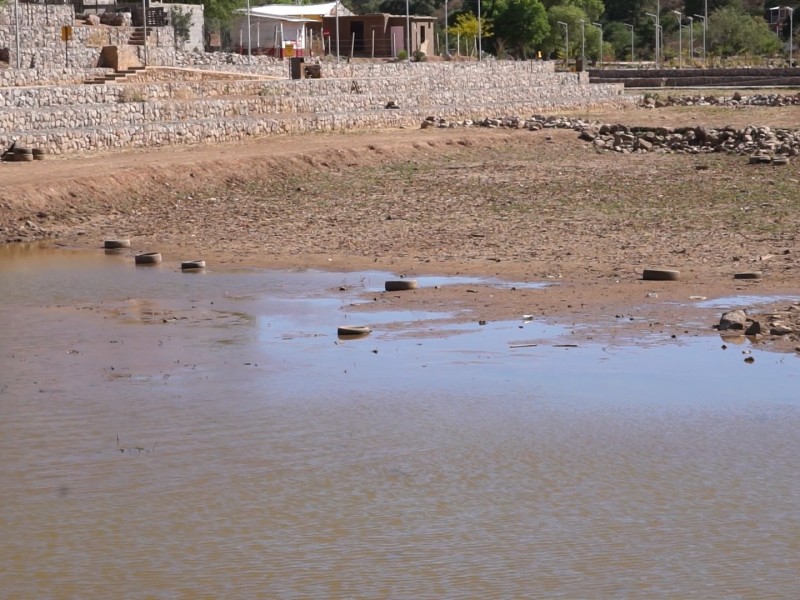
x=357, y=30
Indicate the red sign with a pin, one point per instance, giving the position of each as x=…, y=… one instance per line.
x=326, y=32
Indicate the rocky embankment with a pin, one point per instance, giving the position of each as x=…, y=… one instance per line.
x=763, y=144
x=737, y=99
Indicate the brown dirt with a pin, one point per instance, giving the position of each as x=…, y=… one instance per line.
x=518, y=205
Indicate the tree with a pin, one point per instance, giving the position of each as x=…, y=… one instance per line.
x=466, y=26
x=731, y=32
x=522, y=25
x=591, y=8
x=572, y=16
x=181, y=25
x=218, y=12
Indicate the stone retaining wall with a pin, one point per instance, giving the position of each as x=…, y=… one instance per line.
x=97, y=117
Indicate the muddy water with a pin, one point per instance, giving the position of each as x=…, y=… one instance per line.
x=173, y=435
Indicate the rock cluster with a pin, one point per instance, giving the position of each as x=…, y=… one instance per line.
x=710, y=100
x=777, y=324
x=534, y=123
x=755, y=141
x=762, y=143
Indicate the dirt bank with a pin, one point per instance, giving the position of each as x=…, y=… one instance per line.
x=519, y=205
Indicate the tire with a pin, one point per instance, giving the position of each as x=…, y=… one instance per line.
x=38, y=154
x=23, y=151
x=23, y=157
x=350, y=331
x=748, y=275
x=401, y=285
x=661, y=275
x=148, y=258
x=189, y=265
x=114, y=244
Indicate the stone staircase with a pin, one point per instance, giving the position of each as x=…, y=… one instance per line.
x=115, y=76
x=138, y=37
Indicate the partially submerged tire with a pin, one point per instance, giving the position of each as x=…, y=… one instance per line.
x=748, y=275
x=661, y=275
x=193, y=265
x=148, y=258
x=351, y=331
x=114, y=244
x=401, y=285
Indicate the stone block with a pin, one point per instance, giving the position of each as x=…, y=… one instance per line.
x=119, y=58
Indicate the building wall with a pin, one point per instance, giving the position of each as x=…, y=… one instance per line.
x=196, y=39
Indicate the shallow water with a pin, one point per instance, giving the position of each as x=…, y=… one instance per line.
x=176, y=435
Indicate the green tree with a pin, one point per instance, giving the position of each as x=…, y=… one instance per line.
x=181, y=25
x=218, y=11
x=572, y=16
x=591, y=8
x=732, y=32
x=466, y=26
x=522, y=25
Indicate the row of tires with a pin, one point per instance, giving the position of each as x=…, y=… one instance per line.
x=151, y=258
x=355, y=331
x=23, y=155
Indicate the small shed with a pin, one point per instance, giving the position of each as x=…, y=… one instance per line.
x=378, y=35
x=281, y=30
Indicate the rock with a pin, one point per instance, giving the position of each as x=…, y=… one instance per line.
x=753, y=329
x=733, y=320
x=92, y=20
x=780, y=329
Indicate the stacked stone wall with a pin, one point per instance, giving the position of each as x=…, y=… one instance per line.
x=174, y=107
x=41, y=46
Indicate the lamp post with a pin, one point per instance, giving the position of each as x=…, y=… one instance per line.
x=480, y=32
x=408, y=32
x=600, y=56
x=791, y=33
x=691, y=40
x=583, y=44
x=657, y=29
x=631, y=28
x=249, y=45
x=446, y=39
x=704, y=36
x=16, y=28
x=337, y=33
x=679, y=14
x=144, y=24
x=566, y=43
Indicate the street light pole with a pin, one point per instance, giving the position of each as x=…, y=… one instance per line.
x=480, y=32
x=144, y=24
x=583, y=44
x=337, y=33
x=631, y=28
x=16, y=28
x=408, y=32
x=657, y=29
x=691, y=40
x=249, y=44
x=680, y=38
x=446, y=39
x=704, y=36
x=566, y=43
x=600, y=56
x=791, y=33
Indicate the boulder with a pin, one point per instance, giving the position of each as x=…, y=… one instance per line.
x=733, y=320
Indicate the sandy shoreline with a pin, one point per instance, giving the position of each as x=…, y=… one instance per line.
x=519, y=206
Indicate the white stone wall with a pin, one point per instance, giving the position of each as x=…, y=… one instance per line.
x=88, y=118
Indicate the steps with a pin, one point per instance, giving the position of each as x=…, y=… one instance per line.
x=138, y=37
x=115, y=76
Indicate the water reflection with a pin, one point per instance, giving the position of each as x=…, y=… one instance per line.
x=279, y=462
